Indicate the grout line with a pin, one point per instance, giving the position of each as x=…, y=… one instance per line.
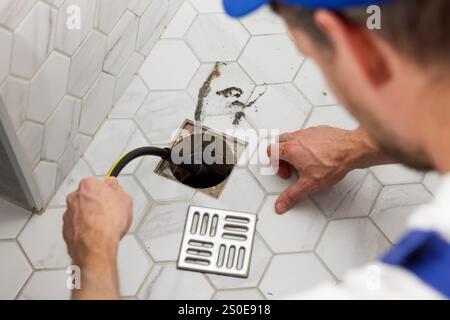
x=321, y=235
x=30, y=265
x=149, y=259
x=381, y=231
x=327, y=268
x=144, y=280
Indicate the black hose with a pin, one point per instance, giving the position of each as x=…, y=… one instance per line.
x=163, y=153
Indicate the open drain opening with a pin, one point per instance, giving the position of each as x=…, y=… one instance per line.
x=215, y=154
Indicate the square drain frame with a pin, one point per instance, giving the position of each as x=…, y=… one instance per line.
x=217, y=241
x=236, y=145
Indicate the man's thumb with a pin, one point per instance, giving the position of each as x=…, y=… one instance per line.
x=289, y=197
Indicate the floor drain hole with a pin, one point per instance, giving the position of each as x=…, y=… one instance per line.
x=213, y=147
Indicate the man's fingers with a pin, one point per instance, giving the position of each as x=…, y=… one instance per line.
x=112, y=181
x=284, y=170
x=290, y=197
x=285, y=137
x=70, y=199
x=89, y=184
x=290, y=152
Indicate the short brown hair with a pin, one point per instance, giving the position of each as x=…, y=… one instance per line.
x=419, y=28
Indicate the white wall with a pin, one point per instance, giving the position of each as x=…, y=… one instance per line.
x=58, y=85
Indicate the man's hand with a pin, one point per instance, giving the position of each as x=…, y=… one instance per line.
x=98, y=216
x=322, y=156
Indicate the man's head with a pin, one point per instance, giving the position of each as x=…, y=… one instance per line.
x=384, y=77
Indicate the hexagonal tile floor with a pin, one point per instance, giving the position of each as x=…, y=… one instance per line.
x=318, y=241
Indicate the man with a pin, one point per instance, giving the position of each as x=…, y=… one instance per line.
x=394, y=81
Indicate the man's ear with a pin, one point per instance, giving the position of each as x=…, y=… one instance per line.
x=354, y=47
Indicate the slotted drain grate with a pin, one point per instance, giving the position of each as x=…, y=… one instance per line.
x=217, y=241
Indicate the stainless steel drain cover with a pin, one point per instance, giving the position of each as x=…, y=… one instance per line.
x=217, y=241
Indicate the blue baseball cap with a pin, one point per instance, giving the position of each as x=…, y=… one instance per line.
x=239, y=8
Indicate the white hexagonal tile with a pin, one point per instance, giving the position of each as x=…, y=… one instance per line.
x=45, y=174
x=224, y=123
x=86, y=64
x=216, y=37
x=231, y=75
x=292, y=274
x=138, y=6
x=432, y=181
x=5, y=53
x=68, y=39
x=34, y=39
x=15, y=93
x=351, y=243
x=12, y=219
x=43, y=242
x=133, y=265
x=61, y=128
x=297, y=230
x=242, y=294
x=48, y=87
x=180, y=22
x=126, y=76
x=47, y=285
x=162, y=230
x=152, y=23
x=208, y=6
x=121, y=43
x=14, y=270
x=71, y=156
x=281, y=107
x=397, y=174
x=170, y=65
x=261, y=256
x=17, y=11
x=97, y=104
x=242, y=131
x=162, y=114
x=109, y=13
x=165, y=282
x=130, y=101
x=56, y=3
x=312, y=84
x=70, y=184
x=352, y=197
x=271, y=59
x=241, y=184
x=262, y=169
x=395, y=205
x=140, y=201
x=334, y=116
x=30, y=136
x=161, y=189
x=264, y=21
x=114, y=139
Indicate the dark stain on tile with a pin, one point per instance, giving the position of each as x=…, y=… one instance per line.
x=206, y=89
x=240, y=114
x=230, y=92
x=237, y=106
x=238, y=117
